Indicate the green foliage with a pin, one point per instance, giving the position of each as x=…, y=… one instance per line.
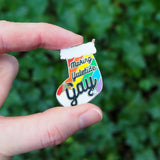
x=127, y=37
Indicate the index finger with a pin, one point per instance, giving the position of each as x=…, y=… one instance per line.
x=27, y=36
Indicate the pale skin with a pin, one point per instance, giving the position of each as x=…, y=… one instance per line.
x=27, y=133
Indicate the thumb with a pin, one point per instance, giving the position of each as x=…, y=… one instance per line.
x=52, y=127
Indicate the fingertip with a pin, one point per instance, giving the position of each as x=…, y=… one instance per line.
x=9, y=64
x=87, y=114
x=91, y=106
x=69, y=39
x=79, y=39
x=91, y=116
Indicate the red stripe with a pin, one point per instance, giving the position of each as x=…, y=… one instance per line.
x=60, y=90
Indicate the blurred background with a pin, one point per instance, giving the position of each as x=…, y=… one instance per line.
x=127, y=34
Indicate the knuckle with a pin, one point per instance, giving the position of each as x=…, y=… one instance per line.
x=40, y=35
x=52, y=136
x=2, y=44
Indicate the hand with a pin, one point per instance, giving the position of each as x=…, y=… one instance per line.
x=27, y=133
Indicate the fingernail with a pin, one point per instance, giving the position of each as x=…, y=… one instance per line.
x=90, y=117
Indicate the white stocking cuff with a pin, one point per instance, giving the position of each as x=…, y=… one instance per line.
x=78, y=51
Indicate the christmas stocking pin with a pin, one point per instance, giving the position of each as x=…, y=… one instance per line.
x=85, y=80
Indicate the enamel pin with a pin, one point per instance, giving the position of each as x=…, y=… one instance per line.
x=85, y=80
